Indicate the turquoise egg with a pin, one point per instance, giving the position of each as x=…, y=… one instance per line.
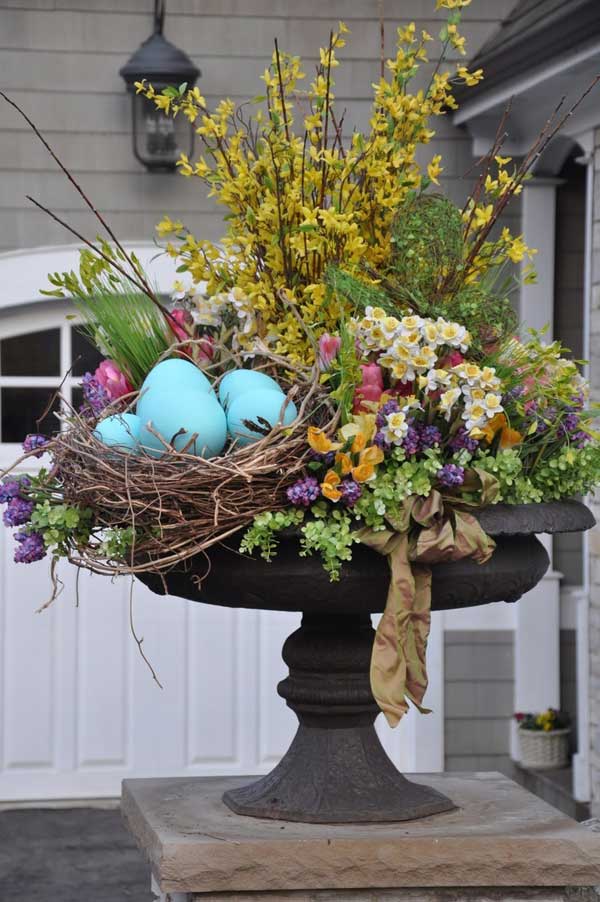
x=120, y=431
x=193, y=411
x=174, y=375
x=264, y=403
x=239, y=382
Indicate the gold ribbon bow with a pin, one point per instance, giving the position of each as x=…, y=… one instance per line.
x=428, y=531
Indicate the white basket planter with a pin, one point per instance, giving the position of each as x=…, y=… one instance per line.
x=541, y=750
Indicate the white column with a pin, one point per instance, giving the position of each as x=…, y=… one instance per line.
x=581, y=760
x=537, y=634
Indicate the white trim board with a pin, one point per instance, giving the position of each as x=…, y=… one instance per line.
x=24, y=272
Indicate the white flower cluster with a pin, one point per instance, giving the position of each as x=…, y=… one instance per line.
x=411, y=348
x=478, y=390
x=408, y=345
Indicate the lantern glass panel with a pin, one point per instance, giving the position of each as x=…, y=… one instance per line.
x=159, y=140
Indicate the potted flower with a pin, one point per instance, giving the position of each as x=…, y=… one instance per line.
x=337, y=414
x=544, y=739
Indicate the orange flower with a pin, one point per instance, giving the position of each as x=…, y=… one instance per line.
x=490, y=429
x=367, y=461
x=359, y=443
x=319, y=442
x=344, y=461
x=508, y=437
x=328, y=486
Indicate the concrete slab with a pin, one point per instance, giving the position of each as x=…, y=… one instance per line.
x=499, y=836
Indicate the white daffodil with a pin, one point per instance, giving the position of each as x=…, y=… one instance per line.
x=453, y=334
x=488, y=379
x=447, y=401
x=431, y=333
x=409, y=324
x=493, y=404
x=395, y=428
x=469, y=373
x=435, y=379
x=402, y=371
x=390, y=326
x=377, y=313
x=423, y=359
x=475, y=415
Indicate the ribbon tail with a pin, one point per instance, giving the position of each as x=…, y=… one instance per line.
x=398, y=667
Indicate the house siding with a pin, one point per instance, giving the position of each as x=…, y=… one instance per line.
x=479, y=698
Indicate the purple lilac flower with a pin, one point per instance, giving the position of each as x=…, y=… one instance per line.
x=581, y=438
x=18, y=512
x=390, y=406
x=303, y=492
x=35, y=442
x=351, y=492
x=326, y=459
x=430, y=436
x=462, y=440
x=451, y=475
x=517, y=392
x=570, y=422
x=95, y=395
x=11, y=488
x=30, y=547
x=411, y=443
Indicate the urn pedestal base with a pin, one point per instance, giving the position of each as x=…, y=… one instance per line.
x=335, y=770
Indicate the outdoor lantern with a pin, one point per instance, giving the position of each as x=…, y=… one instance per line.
x=159, y=139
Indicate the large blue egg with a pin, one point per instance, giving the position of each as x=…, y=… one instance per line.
x=174, y=375
x=193, y=411
x=121, y=431
x=265, y=404
x=239, y=382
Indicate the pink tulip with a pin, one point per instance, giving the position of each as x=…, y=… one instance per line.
x=329, y=345
x=178, y=321
x=371, y=388
x=113, y=381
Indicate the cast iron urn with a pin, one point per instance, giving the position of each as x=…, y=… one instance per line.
x=336, y=770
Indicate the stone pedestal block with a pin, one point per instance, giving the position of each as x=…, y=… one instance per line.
x=499, y=843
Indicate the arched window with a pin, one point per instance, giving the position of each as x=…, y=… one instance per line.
x=41, y=351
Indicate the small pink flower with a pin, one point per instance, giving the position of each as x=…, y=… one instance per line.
x=113, y=381
x=454, y=358
x=371, y=388
x=329, y=345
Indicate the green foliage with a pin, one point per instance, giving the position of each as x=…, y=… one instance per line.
x=263, y=534
x=427, y=245
x=360, y=293
x=116, y=542
x=62, y=525
x=330, y=534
